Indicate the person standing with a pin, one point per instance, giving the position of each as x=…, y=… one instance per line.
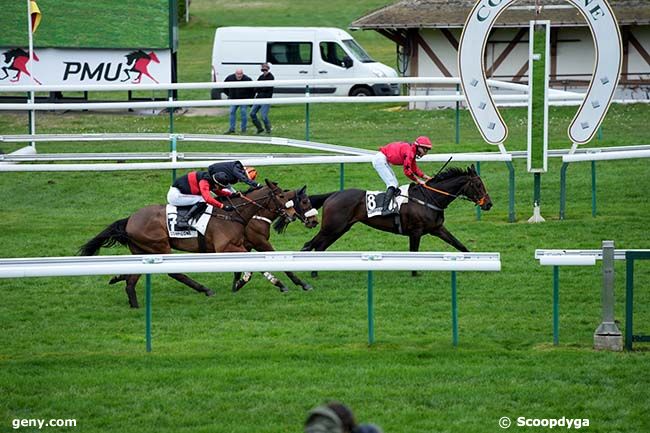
x=238, y=93
x=404, y=154
x=263, y=92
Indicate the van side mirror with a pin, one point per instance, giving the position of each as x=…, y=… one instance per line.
x=347, y=62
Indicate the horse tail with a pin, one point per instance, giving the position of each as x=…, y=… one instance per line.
x=318, y=200
x=113, y=234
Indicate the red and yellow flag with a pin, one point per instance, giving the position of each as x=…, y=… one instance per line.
x=36, y=15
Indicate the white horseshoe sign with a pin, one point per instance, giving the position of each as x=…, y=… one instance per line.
x=608, y=48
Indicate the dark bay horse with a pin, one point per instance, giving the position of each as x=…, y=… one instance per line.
x=145, y=232
x=423, y=214
x=258, y=233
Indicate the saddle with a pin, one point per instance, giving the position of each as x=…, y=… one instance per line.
x=375, y=200
x=179, y=227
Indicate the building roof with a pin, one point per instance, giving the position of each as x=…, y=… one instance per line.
x=413, y=14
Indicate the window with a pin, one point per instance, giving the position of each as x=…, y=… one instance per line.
x=358, y=51
x=333, y=53
x=289, y=53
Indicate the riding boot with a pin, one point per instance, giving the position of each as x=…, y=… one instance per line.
x=197, y=209
x=388, y=198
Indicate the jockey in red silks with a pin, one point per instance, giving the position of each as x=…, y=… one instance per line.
x=404, y=154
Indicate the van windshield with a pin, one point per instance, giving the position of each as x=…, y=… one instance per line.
x=358, y=51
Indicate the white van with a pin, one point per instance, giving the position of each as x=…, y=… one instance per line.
x=299, y=53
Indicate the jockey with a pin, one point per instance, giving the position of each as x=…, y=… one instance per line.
x=404, y=154
x=195, y=188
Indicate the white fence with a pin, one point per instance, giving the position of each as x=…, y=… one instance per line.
x=240, y=262
x=269, y=261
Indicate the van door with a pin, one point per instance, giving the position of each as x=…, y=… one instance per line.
x=290, y=61
x=333, y=62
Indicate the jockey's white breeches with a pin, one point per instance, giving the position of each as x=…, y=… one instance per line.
x=177, y=198
x=383, y=169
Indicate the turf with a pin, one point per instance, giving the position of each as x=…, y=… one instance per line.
x=258, y=360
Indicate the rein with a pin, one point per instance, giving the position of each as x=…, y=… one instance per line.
x=479, y=202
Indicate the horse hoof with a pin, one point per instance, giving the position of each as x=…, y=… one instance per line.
x=314, y=274
x=238, y=285
x=284, y=289
x=209, y=292
x=135, y=306
x=307, y=287
x=114, y=280
x=415, y=274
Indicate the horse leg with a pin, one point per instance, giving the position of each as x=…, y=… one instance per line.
x=240, y=281
x=277, y=283
x=118, y=278
x=323, y=240
x=414, y=247
x=298, y=282
x=131, y=281
x=182, y=278
x=446, y=236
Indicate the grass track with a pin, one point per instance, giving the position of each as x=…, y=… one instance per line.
x=258, y=360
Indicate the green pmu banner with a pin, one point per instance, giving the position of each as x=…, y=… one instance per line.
x=538, y=73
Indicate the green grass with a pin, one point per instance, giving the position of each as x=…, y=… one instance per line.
x=259, y=360
x=90, y=24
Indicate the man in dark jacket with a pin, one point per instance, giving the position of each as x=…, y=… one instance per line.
x=263, y=92
x=239, y=93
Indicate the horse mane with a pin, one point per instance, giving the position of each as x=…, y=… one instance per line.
x=449, y=173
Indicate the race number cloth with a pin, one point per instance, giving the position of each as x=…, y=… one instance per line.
x=199, y=225
x=374, y=200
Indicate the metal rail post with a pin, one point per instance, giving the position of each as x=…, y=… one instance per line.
x=307, y=114
x=511, y=192
x=593, y=189
x=563, y=169
x=371, y=322
x=454, y=310
x=478, y=208
x=607, y=336
x=556, y=305
x=148, y=312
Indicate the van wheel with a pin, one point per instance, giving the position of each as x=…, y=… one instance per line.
x=362, y=91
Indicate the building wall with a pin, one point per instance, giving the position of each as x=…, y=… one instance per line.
x=508, y=48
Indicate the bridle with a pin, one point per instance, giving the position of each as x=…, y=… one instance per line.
x=282, y=208
x=303, y=215
x=479, y=202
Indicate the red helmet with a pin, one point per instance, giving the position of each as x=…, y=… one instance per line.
x=423, y=141
x=251, y=172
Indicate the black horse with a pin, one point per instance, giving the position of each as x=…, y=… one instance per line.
x=423, y=214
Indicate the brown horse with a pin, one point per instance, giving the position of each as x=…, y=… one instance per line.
x=145, y=232
x=423, y=214
x=258, y=232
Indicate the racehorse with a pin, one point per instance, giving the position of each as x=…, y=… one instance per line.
x=145, y=232
x=258, y=232
x=140, y=61
x=424, y=213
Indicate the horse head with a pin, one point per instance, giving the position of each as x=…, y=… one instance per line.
x=304, y=211
x=280, y=202
x=475, y=189
x=456, y=182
